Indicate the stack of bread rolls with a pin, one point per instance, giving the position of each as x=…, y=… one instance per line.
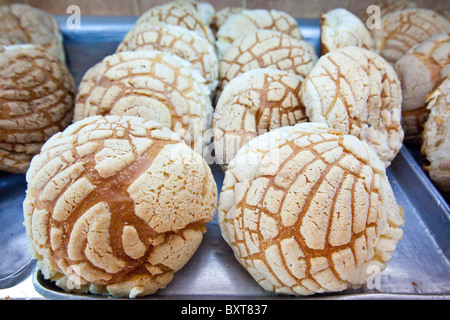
x=119, y=200
x=37, y=90
x=117, y=203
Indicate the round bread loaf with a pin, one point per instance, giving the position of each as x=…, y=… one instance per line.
x=151, y=84
x=23, y=24
x=265, y=49
x=116, y=205
x=341, y=28
x=307, y=209
x=37, y=95
x=357, y=92
x=424, y=65
x=436, y=137
x=180, y=13
x=179, y=41
x=253, y=103
x=400, y=30
x=251, y=20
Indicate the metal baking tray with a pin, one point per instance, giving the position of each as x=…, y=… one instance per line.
x=420, y=267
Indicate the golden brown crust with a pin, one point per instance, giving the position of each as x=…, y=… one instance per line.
x=400, y=30
x=265, y=49
x=419, y=70
x=307, y=209
x=36, y=101
x=116, y=205
x=22, y=24
x=356, y=91
x=180, y=13
x=251, y=20
x=176, y=40
x=436, y=137
x=151, y=84
x=253, y=103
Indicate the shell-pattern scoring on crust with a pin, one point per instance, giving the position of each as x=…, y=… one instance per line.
x=436, y=137
x=116, y=205
x=253, y=103
x=179, y=13
x=179, y=41
x=307, y=209
x=419, y=70
x=400, y=30
x=251, y=20
x=24, y=24
x=341, y=28
x=151, y=84
x=357, y=92
x=265, y=49
x=37, y=95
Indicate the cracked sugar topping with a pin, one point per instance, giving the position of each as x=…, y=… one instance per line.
x=253, y=103
x=36, y=100
x=180, y=13
x=179, y=41
x=151, y=84
x=22, y=24
x=247, y=21
x=266, y=49
x=307, y=209
x=118, y=203
x=400, y=30
x=356, y=91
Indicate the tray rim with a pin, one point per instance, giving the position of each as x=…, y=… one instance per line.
x=59, y=294
x=42, y=286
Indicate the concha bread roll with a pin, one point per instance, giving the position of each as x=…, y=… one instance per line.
x=251, y=20
x=23, y=24
x=179, y=41
x=151, y=84
x=265, y=49
x=419, y=70
x=253, y=103
x=37, y=95
x=436, y=137
x=400, y=30
x=180, y=13
x=357, y=92
x=341, y=28
x=116, y=205
x=307, y=209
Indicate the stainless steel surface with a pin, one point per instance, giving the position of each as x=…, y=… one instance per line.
x=420, y=268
